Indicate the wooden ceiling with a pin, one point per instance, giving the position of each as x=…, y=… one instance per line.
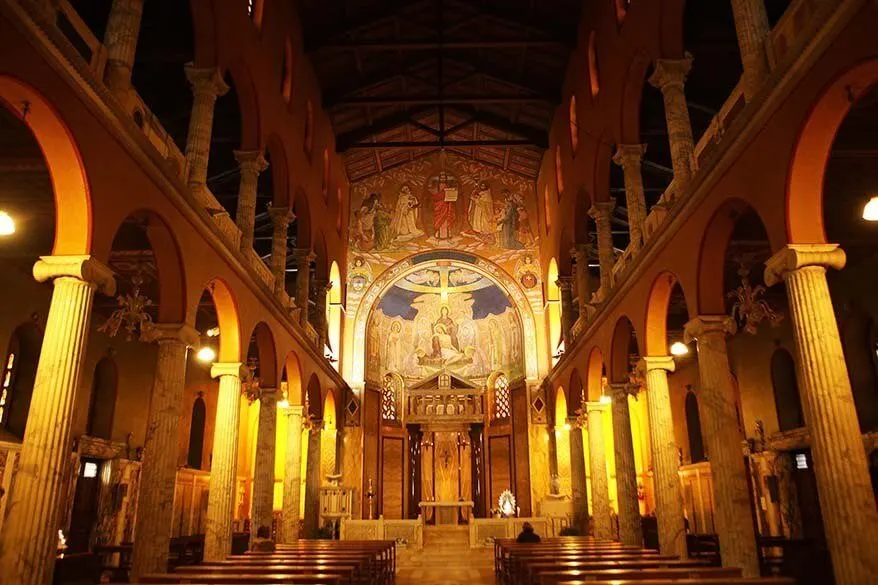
x=402, y=79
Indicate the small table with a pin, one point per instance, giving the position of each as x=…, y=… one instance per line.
x=446, y=513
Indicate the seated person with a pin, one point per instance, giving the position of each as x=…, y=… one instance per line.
x=263, y=541
x=527, y=534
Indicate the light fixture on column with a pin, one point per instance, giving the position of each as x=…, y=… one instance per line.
x=7, y=224
x=679, y=349
x=132, y=313
x=870, y=210
x=206, y=354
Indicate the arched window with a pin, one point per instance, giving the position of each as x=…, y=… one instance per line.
x=548, y=209
x=309, y=128
x=196, y=433
x=325, y=173
x=594, y=74
x=389, y=394
x=622, y=9
x=559, y=177
x=574, y=125
x=338, y=215
x=19, y=374
x=786, y=391
x=693, y=428
x=502, y=398
x=103, y=400
x=254, y=11
x=286, y=84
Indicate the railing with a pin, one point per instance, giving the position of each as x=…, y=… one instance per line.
x=157, y=135
x=258, y=266
x=82, y=39
x=789, y=30
x=708, y=145
x=445, y=406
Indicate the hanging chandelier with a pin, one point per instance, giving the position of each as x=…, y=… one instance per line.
x=749, y=308
x=132, y=313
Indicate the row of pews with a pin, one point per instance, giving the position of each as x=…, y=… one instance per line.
x=576, y=560
x=307, y=562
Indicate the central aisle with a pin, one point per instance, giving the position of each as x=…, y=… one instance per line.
x=445, y=560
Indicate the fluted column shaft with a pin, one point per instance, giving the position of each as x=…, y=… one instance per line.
x=751, y=24
x=30, y=534
x=250, y=164
x=207, y=85
x=600, y=485
x=630, y=158
x=224, y=463
x=565, y=285
x=601, y=212
x=665, y=463
x=304, y=257
x=280, y=221
x=843, y=483
x=263, y=472
x=582, y=252
x=630, y=531
x=123, y=28
x=292, y=474
x=312, y=480
x=152, y=531
x=578, y=477
x=322, y=287
x=719, y=424
x=670, y=77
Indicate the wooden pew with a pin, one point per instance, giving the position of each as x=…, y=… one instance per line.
x=270, y=579
x=558, y=577
x=719, y=581
x=529, y=572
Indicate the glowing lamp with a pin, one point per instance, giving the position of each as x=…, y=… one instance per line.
x=213, y=332
x=7, y=224
x=606, y=399
x=870, y=211
x=206, y=354
x=283, y=403
x=679, y=349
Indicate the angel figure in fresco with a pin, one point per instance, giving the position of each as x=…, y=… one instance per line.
x=404, y=224
x=481, y=212
x=444, y=335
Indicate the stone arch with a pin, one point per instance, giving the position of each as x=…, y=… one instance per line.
x=73, y=208
x=248, y=103
x=302, y=210
x=228, y=321
x=293, y=374
x=315, y=398
x=624, y=340
x=278, y=170
x=262, y=343
x=475, y=263
x=656, y=338
x=594, y=381
x=287, y=71
x=321, y=261
x=575, y=392
x=632, y=97
x=804, y=196
x=204, y=25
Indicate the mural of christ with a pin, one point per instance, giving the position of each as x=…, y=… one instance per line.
x=443, y=193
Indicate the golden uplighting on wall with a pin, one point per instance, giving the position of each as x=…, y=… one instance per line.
x=870, y=211
x=7, y=224
x=679, y=349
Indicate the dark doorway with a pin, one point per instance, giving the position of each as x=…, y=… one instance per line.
x=85, y=505
x=786, y=391
x=814, y=564
x=196, y=434
x=693, y=427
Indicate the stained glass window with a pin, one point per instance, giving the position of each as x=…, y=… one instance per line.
x=251, y=6
x=502, y=398
x=8, y=379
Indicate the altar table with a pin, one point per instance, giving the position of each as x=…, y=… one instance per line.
x=446, y=513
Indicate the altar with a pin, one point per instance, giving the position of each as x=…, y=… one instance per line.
x=447, y=513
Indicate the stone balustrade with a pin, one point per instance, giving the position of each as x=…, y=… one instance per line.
x=465, y=406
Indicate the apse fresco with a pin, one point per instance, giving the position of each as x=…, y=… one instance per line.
x=444, y=317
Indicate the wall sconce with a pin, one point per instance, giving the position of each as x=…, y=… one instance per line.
x=7, y=224
x=679, y=349
x=870, y=210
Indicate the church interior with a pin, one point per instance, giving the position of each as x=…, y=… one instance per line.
x=383, y=291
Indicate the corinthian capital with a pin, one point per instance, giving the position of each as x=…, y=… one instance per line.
x=206, y=80
x=629, y=154
x=705, y=326
x=671, y=72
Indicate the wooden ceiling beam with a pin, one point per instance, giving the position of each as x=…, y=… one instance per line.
x=501, y=43
x=315, y=39
x=440, y=144
x=437, y=100
x=345, y=140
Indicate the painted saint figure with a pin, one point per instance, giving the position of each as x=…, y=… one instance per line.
x=444, y=199
x=481, y=211
x=393, y=357
x=404, y=224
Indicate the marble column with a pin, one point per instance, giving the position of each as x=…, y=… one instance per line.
x=152, y=531
x=630, y=158
x=263, y=468
x=601, y=212
x=670, y=77
x=582, y=252
x=120, y=39
x=844, y=487
x=751, y=24
x=304, y=257
x=600, y=485
x=207, y=85
x=281, y=217
x=723, y=438
x=578, y=485
x=322, y=288
x=312, y=480
x=293, y=474
x=630, y=530
x=250, y=164
x=665, y=461
x=565, y=285
x=30, y=533
x=224, y=462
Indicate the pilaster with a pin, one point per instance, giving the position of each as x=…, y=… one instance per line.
x=600, y=487
x=843, y=482
x=292, y=474
x=670, y=77
x=224, y=463
x=665, y=463
x=719, y=423
x=30, y=533
x=250, y=164
x=630, y=158
x=630, y=531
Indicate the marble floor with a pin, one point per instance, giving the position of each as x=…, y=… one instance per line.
x=445, y=560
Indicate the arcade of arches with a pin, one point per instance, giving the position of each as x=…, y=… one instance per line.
x=381, y=270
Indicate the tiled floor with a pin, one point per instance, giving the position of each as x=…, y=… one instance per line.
x=446, y=560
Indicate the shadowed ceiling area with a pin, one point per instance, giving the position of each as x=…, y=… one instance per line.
x=401, y=79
